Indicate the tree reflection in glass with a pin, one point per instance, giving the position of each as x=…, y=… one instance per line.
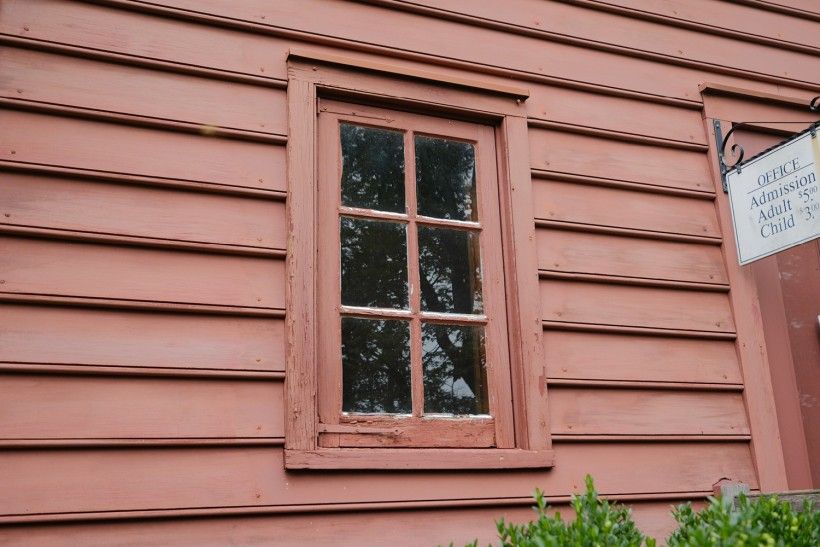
x=376, y=357
x=455, y=377
x=372, y=168
x=374, y=263
x=450, y=270
x=376, y=366
x=445, y=178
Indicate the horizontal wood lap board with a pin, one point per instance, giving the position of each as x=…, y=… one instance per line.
x=99, y=325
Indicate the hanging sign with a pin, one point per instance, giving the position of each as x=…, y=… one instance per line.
x=775, y=198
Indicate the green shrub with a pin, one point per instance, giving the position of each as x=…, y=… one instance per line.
x=597, y=523
x=765, y=521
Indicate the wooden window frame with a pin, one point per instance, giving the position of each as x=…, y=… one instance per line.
x=522, y=434
x=428, y=431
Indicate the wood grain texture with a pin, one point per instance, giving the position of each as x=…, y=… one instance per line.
x=413, y=459
x=141, y=180
x=657, y=37
x=644, y=164
x=423, y=77
x=346, y=528
x=593, y=205
x=301, y=322
x=60, y=79
x=33, y=266
x=143, y=212
x=580, y=411
x=795, y=7
x=111, y=480
x=59, y=335
x=496, y=47
x=71, y=142
x=576, y=252
x=635, y=306
x=255, y=111
x=575, y=355
x=621, y=114
x=515, y=188
x=527, y=368
x=432, y=92
x=136, y=34
x=323, y=169
x=752, y=353
x=224, y=64
x=416, y=433
x=54, y=78
x=744, y=18
x=78, y=407
x=165, y=38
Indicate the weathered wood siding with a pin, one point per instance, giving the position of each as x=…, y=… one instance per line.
x=142, y=148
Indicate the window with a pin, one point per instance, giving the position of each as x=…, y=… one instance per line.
x=409, y=345
x=413, y=336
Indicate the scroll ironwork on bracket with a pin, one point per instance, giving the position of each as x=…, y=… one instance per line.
x=737, y=150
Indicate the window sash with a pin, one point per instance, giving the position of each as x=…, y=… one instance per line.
x=415, y=430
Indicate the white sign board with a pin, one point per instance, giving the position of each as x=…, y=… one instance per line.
x=775, y=198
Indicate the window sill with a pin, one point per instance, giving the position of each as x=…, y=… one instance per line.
x=418, y=458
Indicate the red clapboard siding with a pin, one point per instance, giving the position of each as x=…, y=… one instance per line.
x=576, y=355
x=807, y=6
x=580, y=411
x=74, y=204
x=85, y=144
x=123, y=479
x=40, y=76
x=600, y=304
x=493, y=47
x=641, y=163
x=620, y=114
x=31, y=266
x=41, y=334
x=87, y=407
x=353, y=528
x=575, y=252
x=656, y=37
x=137, y=34
x=122, y=31
x=748, y=19
x=47, y=77
x=601, y=206
x=109, y=341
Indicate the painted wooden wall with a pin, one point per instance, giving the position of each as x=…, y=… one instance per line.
x=142, y=267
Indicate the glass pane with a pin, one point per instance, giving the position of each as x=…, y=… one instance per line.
x=455, y=376
x=445, y=178
x=376, y=366
x=374, y=263
x=372, y=168
x=450, y=270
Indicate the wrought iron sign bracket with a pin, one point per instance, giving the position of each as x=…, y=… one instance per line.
x=737, y=151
